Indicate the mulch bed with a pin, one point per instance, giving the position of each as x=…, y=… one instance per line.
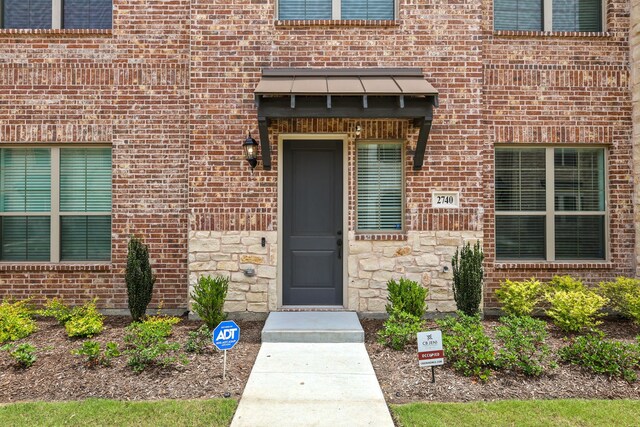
x=58, y=375
x=402, y=381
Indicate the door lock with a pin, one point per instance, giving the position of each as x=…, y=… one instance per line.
x=339, y=243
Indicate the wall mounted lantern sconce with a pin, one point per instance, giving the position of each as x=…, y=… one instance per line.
x=250, y=148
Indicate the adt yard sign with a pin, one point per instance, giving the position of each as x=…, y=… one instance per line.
x=226, y=335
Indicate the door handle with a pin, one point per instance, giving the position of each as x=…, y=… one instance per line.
x=339, y=243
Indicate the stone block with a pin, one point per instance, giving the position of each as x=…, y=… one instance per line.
x=257, y=249
x=202, y=256
x=403, y=251
x=228, y=265
x=449, y=241
x=267, y=271
x=376, y=305
x=369, y=264
x=230, y=239
x=384, y=276
x=236, y=296
x=231, y=306
x=388, y=264
x=256, y=297
x=430, y=260
x=259, y=287
x=251, y=259
x=203, y=266
x=359, y=247
x=238, y=276
x=204, y=245
x=257, y=307
x=365, y=274
x=369, y=293
x=250, y=241
x=359, y=283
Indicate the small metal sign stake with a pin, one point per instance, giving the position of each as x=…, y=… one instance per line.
x=224, y=337
x=430, y=352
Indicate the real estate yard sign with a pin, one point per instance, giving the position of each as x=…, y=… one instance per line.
x=430, y=352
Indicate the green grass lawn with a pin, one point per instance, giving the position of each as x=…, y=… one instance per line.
x=95, y=412
x=521, y=413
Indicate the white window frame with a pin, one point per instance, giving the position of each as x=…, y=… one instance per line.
x=336, y=10
x=550, y=213
x=403, y=186
x=54, y=213
x=547, y=16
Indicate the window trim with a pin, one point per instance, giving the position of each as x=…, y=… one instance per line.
x=550, y=213
x=336, y=12
x=403, y=188
x=547, y=19
x=57, y=17
x=54, y=213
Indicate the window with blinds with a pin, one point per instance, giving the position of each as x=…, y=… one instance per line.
x=379, y=186
x=78, y=228
x=573, y=227
x=561, y=15
x=87, y=14
x=45, y=14
x=347, y=9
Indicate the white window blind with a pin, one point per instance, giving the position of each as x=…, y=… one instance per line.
x=379, y=181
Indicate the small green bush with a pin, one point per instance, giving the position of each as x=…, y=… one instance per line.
x=147, y=345
x=208, y=299
x=467, y=346
x=15, y=320
x=139, y=278
x=519, y=298
x=524, y=348
x=611, y=358
x=85, y=321
x=94, y=355
x=162, y=325
x=400, y=329
x=407, y=296
x=623, y=296
x=57, y=309
x=23, y=354
x=198, y=341
x=565, y=283
x=573, y=311
x=467, y=278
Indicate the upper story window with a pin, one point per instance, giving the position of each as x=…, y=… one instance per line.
x=548, y=15
x=336, y=9
x=47, y=14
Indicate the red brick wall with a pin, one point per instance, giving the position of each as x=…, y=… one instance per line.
x=171, y=88
x=565, y=88
x=128, y=87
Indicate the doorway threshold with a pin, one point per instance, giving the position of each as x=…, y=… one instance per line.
x=297, y=308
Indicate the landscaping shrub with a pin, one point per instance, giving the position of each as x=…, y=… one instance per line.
x=23, y=354
x=406, y=296
x=565, y=283
x=524, y=348
x=15, y=320
x=573, y=311
x=85, y=321
x=139, y=278
x=161, y=325
x=208, y=299
x=147, y=345
x=57, y=309
x=623, y=296
x=612, y=358
x=519, y=298
x=198, y=341
x=94, y=355
x=467, y=278
x=467, y=346
x=400, y=329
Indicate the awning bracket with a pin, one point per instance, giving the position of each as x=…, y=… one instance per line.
x=265, y=148
x=421, y=144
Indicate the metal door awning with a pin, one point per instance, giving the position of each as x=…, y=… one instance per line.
x=345, y=93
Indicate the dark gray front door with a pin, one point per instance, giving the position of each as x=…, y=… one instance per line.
x=312, y=222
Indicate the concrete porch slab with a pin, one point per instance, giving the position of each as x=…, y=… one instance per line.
x=313, y=327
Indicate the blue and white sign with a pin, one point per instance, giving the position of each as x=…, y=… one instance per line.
x=226, y=335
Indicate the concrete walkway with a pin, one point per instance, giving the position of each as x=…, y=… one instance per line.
x=312, y=384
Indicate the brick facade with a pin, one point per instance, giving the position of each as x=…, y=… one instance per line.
x=171, y=88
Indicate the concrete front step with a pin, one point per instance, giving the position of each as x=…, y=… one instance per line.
x=313, y=327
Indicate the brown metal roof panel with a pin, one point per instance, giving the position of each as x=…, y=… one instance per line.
x=277, y=85
x=415, y=86
x=340, y=72
x=309, y=85
x=345, y=85
x=380, y=85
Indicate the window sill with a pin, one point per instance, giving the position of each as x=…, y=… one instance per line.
x=562, y=34
x=533, y=265
x=291, y=23
x=382, y=236
x=56, y=32
x=9, y=267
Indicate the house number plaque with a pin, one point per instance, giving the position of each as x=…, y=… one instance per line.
x=445, y=199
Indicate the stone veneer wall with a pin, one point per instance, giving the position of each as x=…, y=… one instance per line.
x=424, y=257
x=634, y=43
x=228, y=253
